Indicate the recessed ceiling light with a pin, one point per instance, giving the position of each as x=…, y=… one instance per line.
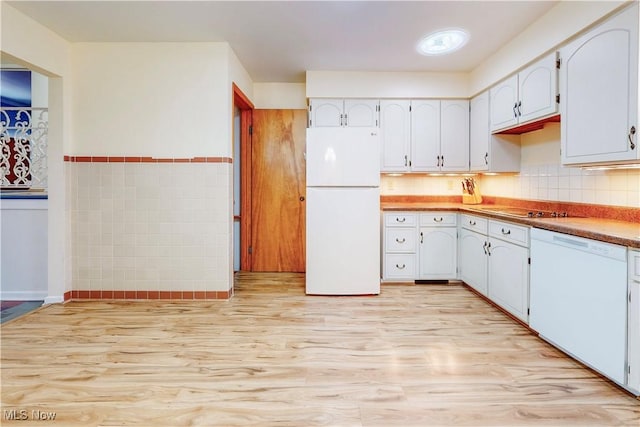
x=443, y=41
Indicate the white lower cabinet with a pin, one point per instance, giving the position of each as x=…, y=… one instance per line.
x=633, y=323
x=494, y=260
x=472, y=252
x=437, y=247
x=419, y=246
x=508, y=269
x=399, y=246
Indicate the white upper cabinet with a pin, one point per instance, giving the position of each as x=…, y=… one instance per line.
x=396, y=135
x=487, y=152
x=343, y=112
x=454, y=136
x=599, y=93
x=425, y=134
x=479, y=132
x=527, y=96
x=504, y=104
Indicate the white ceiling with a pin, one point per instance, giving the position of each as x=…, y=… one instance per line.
x=277, y=41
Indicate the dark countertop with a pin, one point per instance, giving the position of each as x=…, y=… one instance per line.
x=606, y=230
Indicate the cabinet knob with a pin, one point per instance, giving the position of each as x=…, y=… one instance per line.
x=302, y=198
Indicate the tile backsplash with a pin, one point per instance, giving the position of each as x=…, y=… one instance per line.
x=550, y=182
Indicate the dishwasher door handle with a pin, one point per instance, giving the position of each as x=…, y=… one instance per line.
x=572, y=242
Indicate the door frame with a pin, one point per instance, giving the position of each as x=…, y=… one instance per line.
x=242, y=102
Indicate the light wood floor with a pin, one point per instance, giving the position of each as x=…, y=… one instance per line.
x=423, y=355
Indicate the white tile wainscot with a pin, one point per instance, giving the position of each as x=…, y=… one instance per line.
x=152, y=226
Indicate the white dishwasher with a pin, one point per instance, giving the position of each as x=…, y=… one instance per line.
x=578, y=299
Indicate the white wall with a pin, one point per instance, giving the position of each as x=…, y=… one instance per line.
x=28, y=43
x=337, y=84
x=558, y=25
x=287, y=96
x=151, y=99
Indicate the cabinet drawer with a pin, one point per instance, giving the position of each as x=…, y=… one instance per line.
x=400, y=240
x=400, y=266
x=400, y=219
x=474, y=223
x=634, y=265
x=509, y=232
x=438, y=219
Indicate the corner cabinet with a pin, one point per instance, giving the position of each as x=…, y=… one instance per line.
x=527, y=96
x=599, y=93
x=487, y=152
x=424, y=135
x=343, y=112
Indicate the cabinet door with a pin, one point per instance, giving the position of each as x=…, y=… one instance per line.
x=473, y=260
x=504, y=98
x=633, y=323
x=361, y=112
x=395, y=130
x=538, y=87
x=454, y=136
x=479, y=133
x=509, y=277
x=437, y=252
x=326, y=112
x=425, y=135
x=599, y=92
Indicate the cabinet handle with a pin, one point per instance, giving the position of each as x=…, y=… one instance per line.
x=421, y=237
x=632, y=132
x=401, y=241
x=438, y=164
x=515, y=113
x=507, y=232
x=441, y=160
x=472, y=222
x=489, y=248
x=403, y=219
x=438, y=219
x=400, y=267
x=346, y=122
x=484, y=248
x=519, y=111
x=406, y=160
x=486, y=158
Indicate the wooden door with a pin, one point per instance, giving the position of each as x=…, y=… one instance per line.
x=278, y=190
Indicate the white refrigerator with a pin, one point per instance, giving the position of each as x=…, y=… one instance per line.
x=343, y=211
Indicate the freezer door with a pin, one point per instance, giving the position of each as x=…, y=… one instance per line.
x=343, y=157
x=343, y=241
